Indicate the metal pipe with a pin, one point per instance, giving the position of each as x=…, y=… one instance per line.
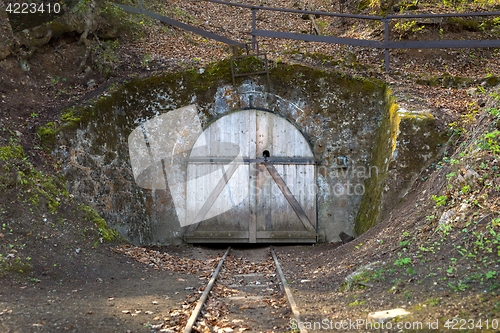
x=386, y=40
x=298, y=11
x=254, y=26
x=442, y=15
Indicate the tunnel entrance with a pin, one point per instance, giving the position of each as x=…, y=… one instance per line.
x=247, y=195
x=334, y=154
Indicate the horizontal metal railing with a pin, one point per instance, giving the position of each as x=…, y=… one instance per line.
x=385, y=44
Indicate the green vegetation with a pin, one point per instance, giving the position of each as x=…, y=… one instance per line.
x=13, y=151
x=13, y=264
x=35, y=186
x=369, y=211
x=106, y=233
x=440, y=200
x=403, y=29
x=402, y=262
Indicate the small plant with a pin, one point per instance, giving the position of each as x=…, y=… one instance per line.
x=490, y=142
x=356, y=303
x=466, y=189
x=146, y=60
x=493, y=112
x=411, y=271
x=460, y=286
x=440, y=200
x=401, y=262
x=445, y=229
x=405, y=28
x=434, y=301
x=491, y=275
x=322, y=25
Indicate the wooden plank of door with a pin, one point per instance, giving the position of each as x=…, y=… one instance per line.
x=252, y=172
x=252, y=223
x=289, y=197
x=215, y=193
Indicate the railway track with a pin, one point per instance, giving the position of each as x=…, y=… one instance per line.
x=247, y=291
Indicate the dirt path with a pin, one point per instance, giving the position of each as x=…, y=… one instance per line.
x=118, y=295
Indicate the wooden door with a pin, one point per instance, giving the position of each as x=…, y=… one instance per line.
x=251, y=178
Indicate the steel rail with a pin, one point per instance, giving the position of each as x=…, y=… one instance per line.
x=406, y=16
x=288, y=293
x=187, y=27
x=386, y=44
x=204, y=296
x=296, y=11
x=366, y=17
x=196, y=312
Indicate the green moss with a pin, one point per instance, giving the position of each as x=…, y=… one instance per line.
x=184, y=87
x=14, y=265
x=247, y=65
x=47, y=134
x=492, y=81
x=460, y=23
x=106, y=233
x=323, y=58
x=385, y=143
x=70, y=118
x=11, y=152
x=307, y=78
x=36, y=186
x=446, y=81
x=364, y=4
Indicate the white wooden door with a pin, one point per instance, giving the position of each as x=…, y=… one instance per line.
x=251, y=178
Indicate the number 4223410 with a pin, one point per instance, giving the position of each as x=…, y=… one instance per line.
x=32, y=8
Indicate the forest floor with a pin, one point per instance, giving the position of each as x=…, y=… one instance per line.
x=436, y=255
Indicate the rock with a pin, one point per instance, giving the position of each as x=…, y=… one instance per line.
x=91, y=84
x=471, y=176
x=345, y=237
x=386, y=315
x=5, y=48
x=6, y=40
x=353, y=278
x=445, y=218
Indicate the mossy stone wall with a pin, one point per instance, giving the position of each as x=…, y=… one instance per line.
x=341, y=116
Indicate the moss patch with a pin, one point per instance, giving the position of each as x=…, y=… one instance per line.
x=12, y=264
x=35, y=186
x=11, y=152
x=106, y=233
x=446, y=81
x=383, y=149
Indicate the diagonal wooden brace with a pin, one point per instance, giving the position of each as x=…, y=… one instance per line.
x=289, y=197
